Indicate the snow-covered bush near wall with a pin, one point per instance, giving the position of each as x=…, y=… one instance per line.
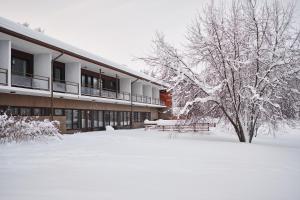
x=20, y=129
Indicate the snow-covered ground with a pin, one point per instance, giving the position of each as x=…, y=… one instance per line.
x=138, y=164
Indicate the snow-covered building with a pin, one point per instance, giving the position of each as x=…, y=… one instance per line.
x=42, y=76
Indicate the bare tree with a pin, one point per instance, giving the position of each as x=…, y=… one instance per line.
x=237, y=64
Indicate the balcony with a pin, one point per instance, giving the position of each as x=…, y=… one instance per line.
x=104, y=93
x=29, y=81
x=3, y=76
x=65, y=87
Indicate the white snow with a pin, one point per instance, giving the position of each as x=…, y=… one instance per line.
x=139, y=165
x=109, y=128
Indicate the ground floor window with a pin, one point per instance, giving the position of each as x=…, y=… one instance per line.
x=82, y=119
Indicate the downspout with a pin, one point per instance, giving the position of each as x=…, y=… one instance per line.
x=51, y=78
x=131, y=103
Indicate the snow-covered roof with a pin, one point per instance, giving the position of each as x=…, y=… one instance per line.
x=20, y=30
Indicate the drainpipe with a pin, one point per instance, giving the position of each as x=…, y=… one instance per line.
x=131, y=104
x=51, y=78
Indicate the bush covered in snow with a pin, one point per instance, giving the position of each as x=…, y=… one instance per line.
x=20, y=129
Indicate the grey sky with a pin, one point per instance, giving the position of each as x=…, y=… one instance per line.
x=115, y=29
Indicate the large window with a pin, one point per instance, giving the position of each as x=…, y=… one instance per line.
x=75, y=119
x=96, y=119
x=106, y=118
x=69, y=117
x=21, y=63
x=100, y=117
x=110, y=83
x=83, y=119
x=59, y=71
x=89, y=79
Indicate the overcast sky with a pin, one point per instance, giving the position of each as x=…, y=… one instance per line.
x=118, y=30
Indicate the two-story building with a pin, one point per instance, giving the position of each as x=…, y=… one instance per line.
x=42, y=76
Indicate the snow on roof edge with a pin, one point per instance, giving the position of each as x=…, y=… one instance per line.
x=19, y=28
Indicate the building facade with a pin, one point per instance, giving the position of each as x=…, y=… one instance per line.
x=46, y=78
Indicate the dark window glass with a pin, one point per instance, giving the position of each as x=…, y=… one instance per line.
x=75, y=119
x=106, y=118
x=25, y=111
x=68, y=114
x=125, y=118
x=89, y=118
x=128, y=118
x=89, y=81
x=19, y=66
x=58, y=112
x=14, y=111
x=95, y=82
x=37, y=112
x=111, y=118
x=96, y=122
x=83, y=119
x=59, y=71
x=135, y=116
x=100, y=117
x=83, y=80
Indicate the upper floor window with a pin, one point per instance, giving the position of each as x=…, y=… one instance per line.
x=110, y=83
x=21, y=63
x=59, y=71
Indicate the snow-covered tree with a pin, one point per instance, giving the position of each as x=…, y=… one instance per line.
x=238, y=64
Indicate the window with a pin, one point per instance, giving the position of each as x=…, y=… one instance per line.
x=110, y=83
x=25, y=111
x=106, y=118
x=135, y=116
x=75, y=119
x=128, y=118
x=59, y=71
x=111, y=118
x=83, y=120
x=100, y=117
x=58, y=112
x=19, y=66
x=121, y=118
x=21, y=63
x=37, y=112
x=96, y=120
x=89, y=79
x=125, y=118
x=69, y=117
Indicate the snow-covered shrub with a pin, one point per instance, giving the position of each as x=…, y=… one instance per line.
x=20, y=129
x=109, y=128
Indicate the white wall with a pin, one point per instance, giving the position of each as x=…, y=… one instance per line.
x=5, y=58
x=42, y=65
x=155, y=93
x=125, y=85
x=147, y=90
x=73, y=74
x=137, y=88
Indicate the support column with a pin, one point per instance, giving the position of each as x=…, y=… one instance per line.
x=42, y=67
x=125, y=85
x=73, y=74
x=147, y=92
x=137, y=88
x=5, y=60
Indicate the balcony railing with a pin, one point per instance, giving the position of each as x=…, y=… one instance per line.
x=104, y=93
x=137, y=98
x=29, y=81
x=65, y=87
x=3, y=76
x=156, y=101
